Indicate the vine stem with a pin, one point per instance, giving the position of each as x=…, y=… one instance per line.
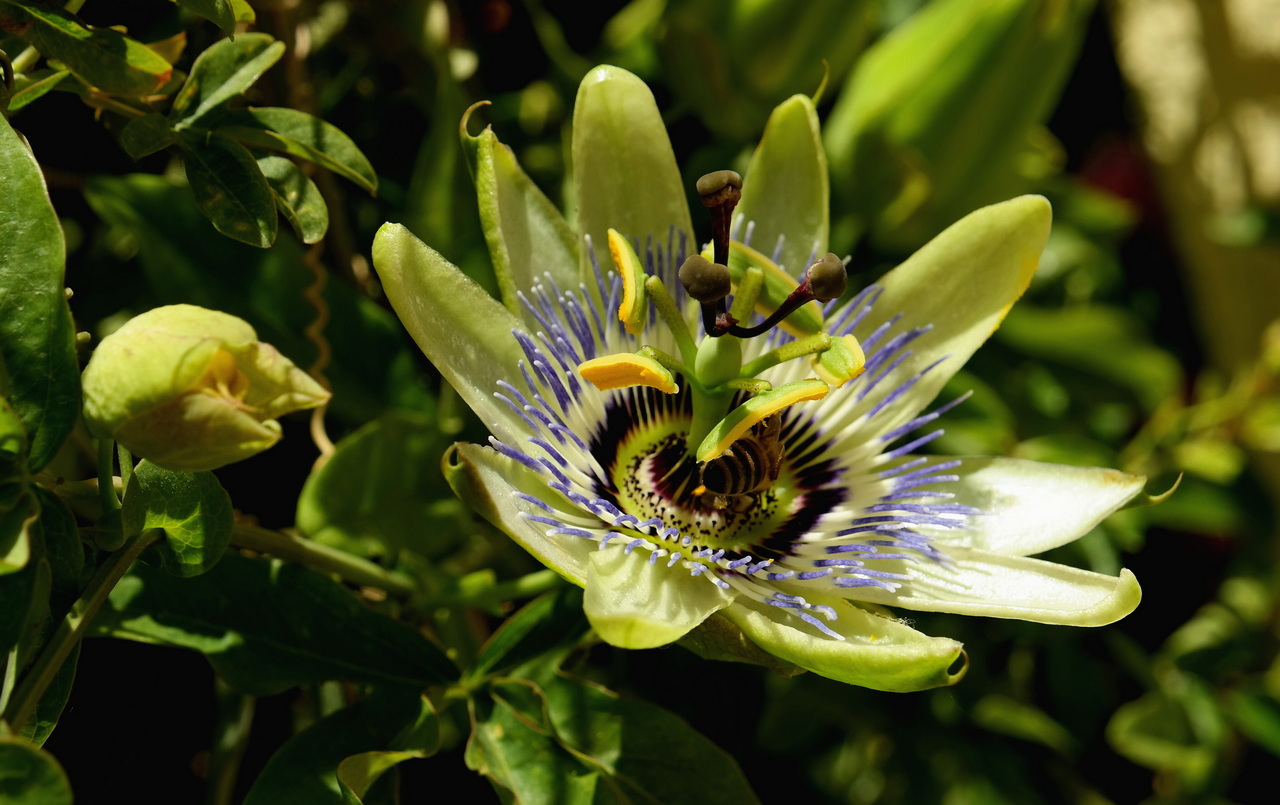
x=72, y=628
x=322, y=557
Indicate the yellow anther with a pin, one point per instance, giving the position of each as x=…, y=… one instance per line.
x=634, y=310
x=625, y=370
x=755, y=410
x=841, y=362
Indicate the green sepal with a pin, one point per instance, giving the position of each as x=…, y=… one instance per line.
x=624, y=171
x=786, y=191
x=526, y=234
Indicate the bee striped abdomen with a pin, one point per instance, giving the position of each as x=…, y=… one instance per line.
x=749, y=466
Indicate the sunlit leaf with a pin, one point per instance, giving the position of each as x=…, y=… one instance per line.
x=105, y=58
x=190, y=507
x=27, y=87
x=297, y=198
x=222, y=72
x=37, y=339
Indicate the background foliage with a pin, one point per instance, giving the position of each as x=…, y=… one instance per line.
x=248, y=174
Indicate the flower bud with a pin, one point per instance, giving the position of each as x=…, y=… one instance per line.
x=192, y=389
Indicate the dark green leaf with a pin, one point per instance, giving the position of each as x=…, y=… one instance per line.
x=372, y=496
x=165, y=223
x=63, y=548
x=230, y=189
x=146, y=135
x=646, y=753
x=266, y=626
x=37, y=339
x=27, y=87
x=222, y=72
x=526, y=761
x=49, y=709
x=18, y=508
x=219, y=12
x=304, y=136
x=297, y=198
x=102, y=57
x=1257, y=715
x=333, y=754
x=549, y=623
x=190, y=507
x=30, y=776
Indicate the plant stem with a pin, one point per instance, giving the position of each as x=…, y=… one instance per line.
x=106, y=476
x=72, y=628
x=322, y=557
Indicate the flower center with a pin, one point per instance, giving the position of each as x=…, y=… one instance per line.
x=723, y=469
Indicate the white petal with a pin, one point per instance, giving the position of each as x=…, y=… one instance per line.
x=463, y=331
x=488, y=481
x=975, y=582
x=634, y=603
x=1031, y=507
x=877, y=652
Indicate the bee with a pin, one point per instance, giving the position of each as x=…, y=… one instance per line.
x=749, y=466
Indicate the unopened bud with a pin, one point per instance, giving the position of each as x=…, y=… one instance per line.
x=192, y=389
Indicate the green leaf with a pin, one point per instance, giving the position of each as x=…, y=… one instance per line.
x=266, y=626
x=297, y=198
x=49, y=709
x=222, y=72
x=104, y=58
x=37, y=338
x=190, y=507
x=525, y=761
x=30, y=776
x=265, y=288
x=620, y=738
x=15, y=498
x=379, y=493
x=301, y=135
x=344, y=753
x=219, y=12
x=146, y=135
x=230, y=189
x=526, y=234
x=550, y=623
x=624, y=171
x=27, y=87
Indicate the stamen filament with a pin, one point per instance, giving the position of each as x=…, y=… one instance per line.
x=812, y=345
x=674, y=319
